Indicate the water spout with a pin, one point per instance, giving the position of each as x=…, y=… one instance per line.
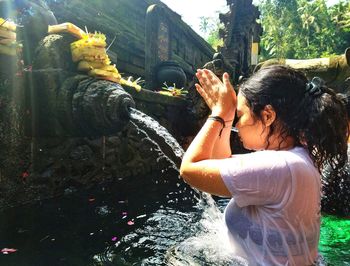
x=167, y=143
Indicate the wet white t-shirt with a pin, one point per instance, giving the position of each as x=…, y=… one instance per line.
x=274, y=215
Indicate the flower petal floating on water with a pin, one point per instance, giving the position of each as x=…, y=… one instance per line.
x=131, y=223
x=25, y=174
x=8, y=250
x=114, y=238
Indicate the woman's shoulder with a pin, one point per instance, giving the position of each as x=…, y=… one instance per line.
x=277, y=159
x=264, y=159
x=296, y=152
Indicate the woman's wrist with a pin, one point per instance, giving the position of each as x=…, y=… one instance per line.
x=227, y=118
x=224, y=123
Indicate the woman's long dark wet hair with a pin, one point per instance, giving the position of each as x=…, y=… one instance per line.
x=313, y=115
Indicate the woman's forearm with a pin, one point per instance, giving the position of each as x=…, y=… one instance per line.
x=198, y=168
x=201, y=148
x=222, y=148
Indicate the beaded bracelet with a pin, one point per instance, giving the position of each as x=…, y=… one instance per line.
x=220, y=120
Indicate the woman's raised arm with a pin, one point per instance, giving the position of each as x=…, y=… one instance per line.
x=200, y=165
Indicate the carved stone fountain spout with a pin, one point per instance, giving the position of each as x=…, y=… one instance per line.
x=61, y=102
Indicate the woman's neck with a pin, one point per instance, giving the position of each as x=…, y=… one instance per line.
x=280, y=144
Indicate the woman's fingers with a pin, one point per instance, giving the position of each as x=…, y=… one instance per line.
x=228, y=85
x=207, y=78
x=219, y=96
x=213, y=91
x=230, y=90
x=204, y=95
x=226, y=81
x=201, y=91
x=202, y=78
x=211, y=76
x=209, y=82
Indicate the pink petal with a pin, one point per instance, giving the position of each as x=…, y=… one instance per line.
x=114, y=238
x=131, y=223
x=8, y=250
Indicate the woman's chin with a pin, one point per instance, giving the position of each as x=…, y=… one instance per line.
x=251, y=147
x=247, y=146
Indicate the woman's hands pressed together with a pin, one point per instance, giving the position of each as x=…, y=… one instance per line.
x=219, y=96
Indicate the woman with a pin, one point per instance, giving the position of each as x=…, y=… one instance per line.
x=294, y=127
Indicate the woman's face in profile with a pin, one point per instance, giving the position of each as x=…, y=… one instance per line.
x=251, y=130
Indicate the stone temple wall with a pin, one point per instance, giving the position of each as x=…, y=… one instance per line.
x=38, y=159
x=141, y=33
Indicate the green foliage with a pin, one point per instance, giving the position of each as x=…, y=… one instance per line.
x=340, y=16
x=304, y=28
x=210, y=27
x=214, y=39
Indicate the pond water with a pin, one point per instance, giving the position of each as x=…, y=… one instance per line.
x=144, y=220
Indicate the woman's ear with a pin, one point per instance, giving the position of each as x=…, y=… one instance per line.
x=268, y=115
